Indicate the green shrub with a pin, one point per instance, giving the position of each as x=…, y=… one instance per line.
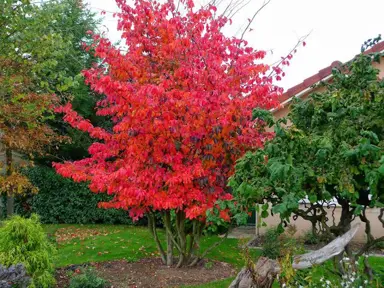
x=88, y=279
x=24, y=241
x=311, y=239
x=61, y=200
x=271, y=247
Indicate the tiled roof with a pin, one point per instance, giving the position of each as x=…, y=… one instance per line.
x=323, y=73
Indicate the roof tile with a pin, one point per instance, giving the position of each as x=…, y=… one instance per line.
x=323, y=73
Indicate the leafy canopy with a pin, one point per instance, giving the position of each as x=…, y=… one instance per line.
x=27, y=79
x=332, y=150
x=40, y=54
x=181, y=99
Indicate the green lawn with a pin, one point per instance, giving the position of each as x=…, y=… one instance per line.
x=127, y=242
x=217, y=284
x=79, y=244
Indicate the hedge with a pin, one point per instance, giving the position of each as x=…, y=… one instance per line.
x=61, y=200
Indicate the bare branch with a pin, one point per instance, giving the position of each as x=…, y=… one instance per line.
x=283, y=59
x=178, y=6
x=241, y=7
x=226, y=8
x=231, y=6
x=253, y=18
x=213, y=246
x=368, y=246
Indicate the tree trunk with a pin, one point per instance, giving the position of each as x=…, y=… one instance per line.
x=180, y=229
x=10, y=205
x=169, y=239
x=261, y=276
x=152, y=229
x=1, y=207
x=10, y=196
x=185, y=243
x=169, y=251
x=266, y=270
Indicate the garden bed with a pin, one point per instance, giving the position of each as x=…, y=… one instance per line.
x=150, y=272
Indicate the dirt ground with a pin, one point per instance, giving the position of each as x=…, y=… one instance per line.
x=152, y=273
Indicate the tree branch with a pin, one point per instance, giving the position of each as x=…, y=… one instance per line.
x=283, y=59
x=199, y=258
x=241, y=7
x=381, y=218
x=168, y=230
x=152, y=229
x=253, y=18
x=369, y=246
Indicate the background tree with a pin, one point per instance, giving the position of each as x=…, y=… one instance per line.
x=333, y=151
x=73, y=19
x=22, y=116
x=40, y=54
x=181, y=99
x=76, y=20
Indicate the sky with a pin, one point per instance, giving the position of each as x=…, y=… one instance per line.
x=337, y=29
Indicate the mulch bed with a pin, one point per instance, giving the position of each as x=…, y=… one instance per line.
x=152, y=273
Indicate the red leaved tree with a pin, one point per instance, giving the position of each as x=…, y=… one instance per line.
x=180, y=99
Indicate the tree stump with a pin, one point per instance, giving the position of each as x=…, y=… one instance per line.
x=266, y=270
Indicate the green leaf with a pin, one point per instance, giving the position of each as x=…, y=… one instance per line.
x=358, y=210
x=222, y=204
x=313, y=198
x=264, y=214
x=279, y=208
x=381, y=169
x=280, y=228
x=264, y=115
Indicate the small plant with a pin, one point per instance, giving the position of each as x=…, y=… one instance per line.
x=289, y=247
x=24, y=241
x=272, y=246
x=353, y=277
x=14, y=276
x=311, y=239
x=208, y=265
x=87, y=279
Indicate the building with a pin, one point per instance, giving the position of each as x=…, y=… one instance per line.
x=310, y=85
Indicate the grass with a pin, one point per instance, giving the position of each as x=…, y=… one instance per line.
x=126, y=242
x=216, y=284
x=118, y=242
x=78, y=244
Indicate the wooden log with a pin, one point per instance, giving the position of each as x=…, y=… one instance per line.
x=266, y=270
x=327, y=252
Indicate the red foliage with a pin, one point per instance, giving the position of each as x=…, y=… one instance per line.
x=181, y=100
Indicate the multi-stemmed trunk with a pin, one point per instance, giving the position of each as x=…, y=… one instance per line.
x=182, y=243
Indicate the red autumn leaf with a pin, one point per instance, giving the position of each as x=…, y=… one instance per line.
x=180, y=99
x=224, y=214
